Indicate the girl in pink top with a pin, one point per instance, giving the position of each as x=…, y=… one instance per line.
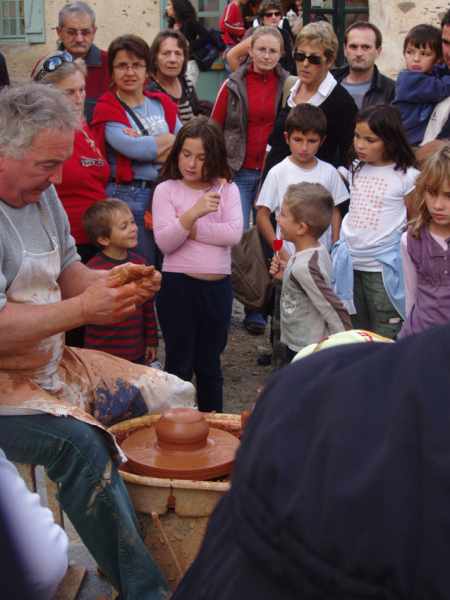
x=197, y=218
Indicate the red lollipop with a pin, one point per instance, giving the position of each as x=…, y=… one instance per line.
x=277, y=245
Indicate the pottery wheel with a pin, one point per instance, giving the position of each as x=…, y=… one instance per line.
x=181, y=446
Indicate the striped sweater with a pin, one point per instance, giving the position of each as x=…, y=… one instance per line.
x=127, y=339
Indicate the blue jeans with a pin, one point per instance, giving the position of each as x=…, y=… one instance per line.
x=76, y=456
x=138, y=200
x=194, y=316
x=247, y=181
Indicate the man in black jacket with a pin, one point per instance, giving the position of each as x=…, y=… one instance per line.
x=361, y=78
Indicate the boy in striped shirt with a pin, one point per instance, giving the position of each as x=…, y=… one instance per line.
x=110, y=225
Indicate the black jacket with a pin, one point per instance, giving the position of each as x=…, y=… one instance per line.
x=381, y=91
x=341, y=487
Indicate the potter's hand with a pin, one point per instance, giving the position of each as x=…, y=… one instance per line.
x=146, y=278
x=102, y=303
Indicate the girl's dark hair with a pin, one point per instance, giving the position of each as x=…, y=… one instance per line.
x=163, y=35
x=215, y=165
x=133, y=44
x=385, y=122
x=184, y=11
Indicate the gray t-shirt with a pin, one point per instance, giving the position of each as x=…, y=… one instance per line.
x=28, y=221
x=309, y=309
x=357, y=90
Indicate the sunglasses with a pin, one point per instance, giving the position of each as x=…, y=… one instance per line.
x=52, y=64
x=274, y=13
x=313, y=59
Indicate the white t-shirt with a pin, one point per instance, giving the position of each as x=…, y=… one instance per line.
x=377, y=209
x=285, y=173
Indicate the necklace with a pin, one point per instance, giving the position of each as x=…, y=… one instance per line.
x=91, y=143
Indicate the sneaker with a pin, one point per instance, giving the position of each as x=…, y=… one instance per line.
x=255, y=323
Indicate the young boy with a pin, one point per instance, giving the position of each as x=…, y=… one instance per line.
x=309, y=308
x=110, y=225
x=424, y=83
x=306, y=128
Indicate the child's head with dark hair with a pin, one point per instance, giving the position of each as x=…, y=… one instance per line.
x=379, y=131
x=210, y=153
x=100, y=219
x=422, y=48
x=306, y=117
x=308, y=203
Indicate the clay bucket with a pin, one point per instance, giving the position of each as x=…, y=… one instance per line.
x=174, y=513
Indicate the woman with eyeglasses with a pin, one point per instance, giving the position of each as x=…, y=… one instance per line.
x=315, y=52
x=270, y=14
x=169, y=55
x=245, y=108
x=135, y=128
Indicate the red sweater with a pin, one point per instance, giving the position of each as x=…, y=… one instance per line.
x=85, y=175
x=261, y=91
x=127, y=339
x=232, y=24
x=108, y=108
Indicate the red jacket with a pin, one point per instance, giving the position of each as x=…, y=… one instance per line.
x=84, y=178
x=108, y=108
x=232, y=24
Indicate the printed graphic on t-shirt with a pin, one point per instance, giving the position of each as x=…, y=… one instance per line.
x=154, y=124
x=367, y=202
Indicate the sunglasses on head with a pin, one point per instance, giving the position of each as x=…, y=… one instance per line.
x=273, y=13
x=313, y=59
x=52, y=64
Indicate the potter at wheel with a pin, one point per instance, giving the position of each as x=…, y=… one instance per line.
x=181, y=446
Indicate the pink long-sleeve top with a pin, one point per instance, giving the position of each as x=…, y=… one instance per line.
x=216, y=232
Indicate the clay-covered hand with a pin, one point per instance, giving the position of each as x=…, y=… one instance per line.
x=103, y=302
x=146, y=278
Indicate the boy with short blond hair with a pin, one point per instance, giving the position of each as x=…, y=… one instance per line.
x=110, y=225
x=309, y=308
x=424, y=83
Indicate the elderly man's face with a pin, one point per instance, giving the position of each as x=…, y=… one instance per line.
x=77, y=34
x=446, y=44
x=22, y=180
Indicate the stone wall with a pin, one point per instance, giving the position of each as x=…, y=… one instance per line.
x=114, y=17
x=395, y=19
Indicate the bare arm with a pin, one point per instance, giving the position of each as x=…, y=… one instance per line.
x=336, y=220
x=236, y=55
x=264, y=224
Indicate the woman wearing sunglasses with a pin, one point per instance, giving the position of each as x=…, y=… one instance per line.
x=136, y=130
x=315, y=52
x=270, y=14
x=86, y=173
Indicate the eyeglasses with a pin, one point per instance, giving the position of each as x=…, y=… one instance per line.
x=52, y=64
x=313, y=59
x=83, y=32
x=136, y=66
x=273, y=13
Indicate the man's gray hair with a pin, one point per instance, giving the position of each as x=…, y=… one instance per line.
x=28, y=109
x=75, y=8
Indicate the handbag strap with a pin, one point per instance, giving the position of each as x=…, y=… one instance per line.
x=133, y=115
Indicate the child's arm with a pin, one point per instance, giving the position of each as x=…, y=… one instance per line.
x=421, y=88
x=409, y=275
x=313, y=283
x=150, y=331
x=336, y=221
x=227, y=231
x=169, y=232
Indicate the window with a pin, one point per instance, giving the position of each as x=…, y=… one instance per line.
x=22, y=21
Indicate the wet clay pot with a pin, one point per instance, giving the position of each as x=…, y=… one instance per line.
x=181, y=445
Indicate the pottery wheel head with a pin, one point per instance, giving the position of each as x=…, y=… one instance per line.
x=181, y=446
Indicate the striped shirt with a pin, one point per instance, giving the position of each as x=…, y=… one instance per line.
x=130, y=338
x=187, y=105
x=309, y=308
